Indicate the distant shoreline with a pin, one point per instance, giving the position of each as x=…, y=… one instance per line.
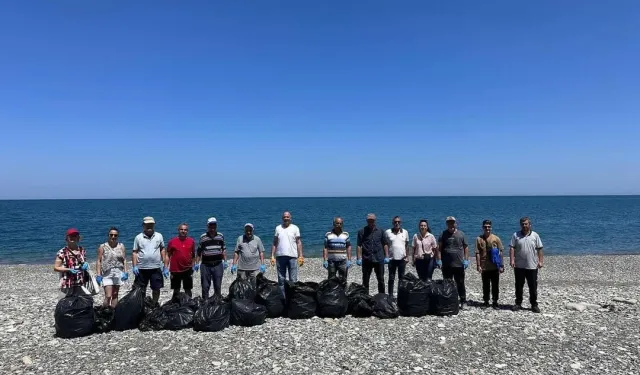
x=344, y=196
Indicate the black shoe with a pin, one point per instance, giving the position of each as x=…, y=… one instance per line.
x=462, y=305
x=485, y=304
x=535, y=309
x=495, y=305
x=517, y=307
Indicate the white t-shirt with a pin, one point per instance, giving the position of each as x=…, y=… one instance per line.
x=397, y=243
x=287, y=245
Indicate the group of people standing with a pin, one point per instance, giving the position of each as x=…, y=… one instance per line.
x=152, y=261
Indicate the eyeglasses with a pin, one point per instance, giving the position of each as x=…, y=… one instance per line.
x=397, y=222
x=113, y=235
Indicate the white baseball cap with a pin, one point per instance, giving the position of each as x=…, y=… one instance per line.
x=211, y=220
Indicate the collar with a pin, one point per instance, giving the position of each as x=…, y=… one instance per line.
x=247, y=237
x=145, y=235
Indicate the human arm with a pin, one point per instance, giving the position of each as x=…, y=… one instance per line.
x=134, y=254
x=512, y=251
x=415, y=249
x=539, y=248
x=478, y=254
x=359, y=246
x=385, y=245
x=261, y=251
x=501, y=248
x=166, y=258
x=59, y=267
x=406, y=247
x=99, y=261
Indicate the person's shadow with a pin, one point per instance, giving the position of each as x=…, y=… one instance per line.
x=501, y=306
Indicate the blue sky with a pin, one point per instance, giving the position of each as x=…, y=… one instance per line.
x=107, y=99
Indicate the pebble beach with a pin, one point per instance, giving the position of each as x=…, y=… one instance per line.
x=590, y=324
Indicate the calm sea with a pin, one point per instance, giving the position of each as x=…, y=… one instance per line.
x=33, y=230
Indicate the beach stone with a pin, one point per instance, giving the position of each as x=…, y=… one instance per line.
x=575, y=306
x=625, y=300
x=27, y=360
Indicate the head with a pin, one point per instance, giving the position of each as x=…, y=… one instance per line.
x=451, y=224
x=183, y=230
x=72, y=237
x=371, y=220
x=525, y=224
x=423, y=226
x=396, y=222
x=338, y=224
x=212, y=225
x=486, y=227
x=248, y=229
x=148, y=226
x=286, y=218
x=113, y=235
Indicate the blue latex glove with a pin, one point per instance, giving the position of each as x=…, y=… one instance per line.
x=73, y=271
x=359, y=262
x=99, y=279
x=325, y=264
x=263, y=268
x=135, y=270
x=225, y=265
x=465, y=263
x=234, y=268
x=85, y=266
x=348, y=264
x=125, y=276
x=386, y=260
x=196, y=267
x=165, y=272
x=439, y=263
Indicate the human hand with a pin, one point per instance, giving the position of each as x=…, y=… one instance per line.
x=165, y=272
x=300, y=261
x=196, y=267
x=99, y=279
x=85, y=266
x=263, y=268
x=234, y=268
x=325, y=264
x=479, y=268
x=225, y=265
x=348, y=264
x=513, y=263
x=124, y=277
x=135, y=270
x=359, y=262
x=73, y=271
x=386, y=260
x=439, y=263
x=465, y=264
x=273, y=261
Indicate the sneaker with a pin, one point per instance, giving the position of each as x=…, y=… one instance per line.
x=495, y=305
x=535, y=309
x=517, y=307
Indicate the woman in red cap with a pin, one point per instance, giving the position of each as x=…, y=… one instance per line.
x=70, y=262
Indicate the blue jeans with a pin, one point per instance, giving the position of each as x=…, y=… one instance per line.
x=425, y=267
x=211, y=273
x=285, y=264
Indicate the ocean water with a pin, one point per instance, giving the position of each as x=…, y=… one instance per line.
x=33, y=230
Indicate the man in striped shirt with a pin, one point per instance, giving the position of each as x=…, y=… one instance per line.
x=337, y=250
x=211, y=258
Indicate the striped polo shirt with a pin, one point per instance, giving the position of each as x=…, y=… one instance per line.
x=211, y=247
x=336, y=245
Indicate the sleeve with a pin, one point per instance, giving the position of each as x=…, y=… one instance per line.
x=238, y=242
x=199, y=250
x=161, y=242
x=224, y=243
x=136, y=246
x=538, y=242
x=414, y=240
x=359, y=239
x=464, y=240
x=500, y=245
x=60, y=254
x=406, y=236
x=298, y=232
x=512, y=243
x=348, y=240
x=477, y=249
x=326, y=240
x=260, y=246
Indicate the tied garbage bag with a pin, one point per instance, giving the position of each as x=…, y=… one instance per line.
x=332, y=299
x=360, y=302
x=444, y=298
x=174, y=315
x=130, y=310
x=74, y=317
x=246, y=313
x=154, y=320
x=270, y=296
x=178, y=317
x=413, y=296
x=243, y=289
x=385, y=307
x=104, y=318
x=300, y=299
x=213, y=316
x=182, y=299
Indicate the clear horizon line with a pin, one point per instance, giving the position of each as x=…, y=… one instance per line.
x=343, y=196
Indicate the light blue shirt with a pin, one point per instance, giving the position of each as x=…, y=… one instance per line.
x=148, y=249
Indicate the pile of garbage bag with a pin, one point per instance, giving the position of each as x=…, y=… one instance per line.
x=250, y=302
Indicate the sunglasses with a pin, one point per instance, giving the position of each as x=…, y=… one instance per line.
x=113, y=235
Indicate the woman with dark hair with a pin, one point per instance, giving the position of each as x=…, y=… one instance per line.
x=424, y=247
x=71, y=264
x=111, y=268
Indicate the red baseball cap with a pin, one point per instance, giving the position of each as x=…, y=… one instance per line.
x=72, y=231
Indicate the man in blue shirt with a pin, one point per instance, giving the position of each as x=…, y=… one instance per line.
x=337, y=250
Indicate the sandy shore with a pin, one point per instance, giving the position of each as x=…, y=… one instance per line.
x=477, y=341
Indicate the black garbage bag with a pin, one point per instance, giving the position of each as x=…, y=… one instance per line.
x=270, y=296
x=213, y=316
x=149, y=305
x=104, y=318
x=385, y=307
x=413, y=296
x=154, y=320
x=301, y=300
x=444, y=298
x=179, y=317
x=332, y=299
x=130, y=310
x=74, y=317
x=243, y=289
x=198, y=302
x=182, y=299
x=247, y=313
x=360, y=302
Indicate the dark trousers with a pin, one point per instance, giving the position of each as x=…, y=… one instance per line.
x=425, y=268
x=378, y=267
x=338, y=267
x=400, y=266
x=211, y=273
x=457, y=274
x=531, y=277
x=491, y=282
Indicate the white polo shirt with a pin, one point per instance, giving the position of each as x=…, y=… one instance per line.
x=148, y=249
x=397, y=243
x=287, y=237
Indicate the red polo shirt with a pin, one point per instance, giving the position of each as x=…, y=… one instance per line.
x=181, y=253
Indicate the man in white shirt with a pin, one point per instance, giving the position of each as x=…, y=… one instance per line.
x=396, y=243
x=286, y=249
x=526, y=257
